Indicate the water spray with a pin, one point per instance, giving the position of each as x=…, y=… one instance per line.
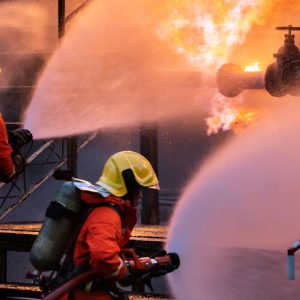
x=280, y=78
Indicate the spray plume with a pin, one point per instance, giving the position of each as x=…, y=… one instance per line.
x=240, y=213
x=140, y=62
x=121, y=75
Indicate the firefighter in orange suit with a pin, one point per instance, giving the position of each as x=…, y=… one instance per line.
x=108, y=228
x=11, y=161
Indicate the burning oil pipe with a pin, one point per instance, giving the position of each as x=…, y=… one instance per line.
x=232, y=80
x=280, y=78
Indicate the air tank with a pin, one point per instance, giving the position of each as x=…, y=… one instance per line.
x=56, y=230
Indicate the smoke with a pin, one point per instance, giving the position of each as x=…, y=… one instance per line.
x=22, y=36
x=238, y=216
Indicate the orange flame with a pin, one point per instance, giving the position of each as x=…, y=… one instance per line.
x=231, y=119
x=242, y=120
x=230, y=115
x=253, y=68
x=209, y=33
x=205, y=32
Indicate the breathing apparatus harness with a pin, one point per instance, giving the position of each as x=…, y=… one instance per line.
x=53, y=248
x=67, y=269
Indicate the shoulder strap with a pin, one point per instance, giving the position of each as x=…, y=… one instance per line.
x=89, y=208
x=112, y=205
x=67, y=270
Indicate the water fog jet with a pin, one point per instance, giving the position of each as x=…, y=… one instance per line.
x=236, y=219
x=110, y=71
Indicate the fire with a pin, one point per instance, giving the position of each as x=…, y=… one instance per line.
x=231, y=119
x=230, y=115
x=206, y=31
x=242, y=120
x=253, y=68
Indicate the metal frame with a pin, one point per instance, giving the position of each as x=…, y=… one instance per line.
x=50, y=157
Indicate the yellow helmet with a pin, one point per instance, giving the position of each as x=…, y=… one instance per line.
x=112, y=179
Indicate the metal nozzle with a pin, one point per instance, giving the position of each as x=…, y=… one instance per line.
x=175, y=260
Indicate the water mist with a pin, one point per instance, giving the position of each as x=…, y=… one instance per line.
x=238, y=216
x=111, y=70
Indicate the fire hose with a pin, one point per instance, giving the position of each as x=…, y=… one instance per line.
x=137, y=266
x=71, y=285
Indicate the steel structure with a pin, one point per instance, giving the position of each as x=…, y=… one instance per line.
x=50, y=157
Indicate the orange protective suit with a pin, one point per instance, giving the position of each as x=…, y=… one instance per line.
x=7, y=168
x=101, y=238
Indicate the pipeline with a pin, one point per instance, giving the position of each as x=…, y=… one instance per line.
x=280, y=78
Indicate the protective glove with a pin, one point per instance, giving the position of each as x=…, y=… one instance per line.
x=19, y=163
x=18, y=138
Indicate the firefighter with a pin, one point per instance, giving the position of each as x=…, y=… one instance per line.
x=12, y=162
x=108, y=228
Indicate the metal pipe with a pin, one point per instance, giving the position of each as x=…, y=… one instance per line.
x=32, y=157
x=291, y=260
x=232, y=80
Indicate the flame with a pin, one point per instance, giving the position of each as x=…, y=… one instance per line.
x=211, y=33
x=230, y=115
x=206, y=31
x=243, y=120
x=253, y=68
x=231, y=119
